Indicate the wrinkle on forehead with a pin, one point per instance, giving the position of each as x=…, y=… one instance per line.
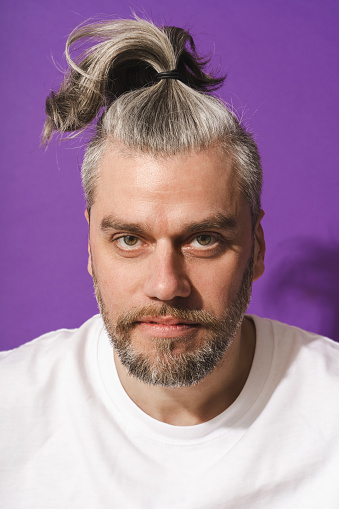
x=138, y=187
x=147, y=170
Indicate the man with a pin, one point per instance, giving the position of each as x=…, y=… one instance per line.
x=196, y=405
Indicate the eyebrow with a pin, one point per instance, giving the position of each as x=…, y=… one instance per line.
x=216, y=222
x=109, y=223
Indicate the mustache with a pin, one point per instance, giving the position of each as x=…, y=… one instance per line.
x=128, y=320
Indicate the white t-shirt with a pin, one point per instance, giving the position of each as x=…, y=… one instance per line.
x=71, y=438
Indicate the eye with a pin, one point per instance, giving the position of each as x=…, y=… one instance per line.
x=127, y=241
x=202, y=241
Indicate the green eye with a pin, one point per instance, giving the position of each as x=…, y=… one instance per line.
x=129, y=240
x=129, y=245
x=204, y=240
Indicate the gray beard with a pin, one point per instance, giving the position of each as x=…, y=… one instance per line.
x=185, y=369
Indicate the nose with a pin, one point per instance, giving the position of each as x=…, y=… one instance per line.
x=166, y=278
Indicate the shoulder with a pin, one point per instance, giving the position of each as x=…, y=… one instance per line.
x=299, y=352
x=290, y=332
x=34, y=361
x=295, y=335
x=51, y=340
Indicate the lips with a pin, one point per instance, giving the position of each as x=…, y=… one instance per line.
x=166, y=326
x=166, y=320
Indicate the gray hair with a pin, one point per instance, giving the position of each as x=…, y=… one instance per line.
x=113, y=84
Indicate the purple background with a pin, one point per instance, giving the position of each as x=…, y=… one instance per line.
x=282, y=62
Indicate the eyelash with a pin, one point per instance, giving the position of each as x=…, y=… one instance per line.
x=215, y=241
x=125, y=237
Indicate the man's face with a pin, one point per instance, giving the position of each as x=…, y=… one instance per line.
x=172, y=255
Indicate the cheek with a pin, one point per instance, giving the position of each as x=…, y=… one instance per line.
x=218, y=282
x=119, y=282
x=218, y=292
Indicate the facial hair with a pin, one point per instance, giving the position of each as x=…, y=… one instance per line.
x=163, y=367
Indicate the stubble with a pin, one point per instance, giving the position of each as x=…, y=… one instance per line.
x=165, y=367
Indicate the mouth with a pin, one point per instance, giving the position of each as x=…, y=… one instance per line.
x=166, y=326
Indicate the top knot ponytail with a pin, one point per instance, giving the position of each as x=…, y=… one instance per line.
x=116, y=57
x=114, y=77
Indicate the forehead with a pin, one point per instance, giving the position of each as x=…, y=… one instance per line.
x=199, y=182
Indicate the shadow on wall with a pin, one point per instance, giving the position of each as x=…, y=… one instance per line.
x=303, y=286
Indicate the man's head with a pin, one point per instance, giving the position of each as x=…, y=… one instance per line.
x=172, y=183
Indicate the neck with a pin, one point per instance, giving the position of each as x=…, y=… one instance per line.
x=187, y=406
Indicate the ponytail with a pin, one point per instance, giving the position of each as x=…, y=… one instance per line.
x=116, y=82
x=117, y=57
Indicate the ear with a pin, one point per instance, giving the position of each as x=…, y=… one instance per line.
x=89, y=263
x=259, y=248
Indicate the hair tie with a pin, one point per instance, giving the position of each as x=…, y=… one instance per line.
x=171, y=75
